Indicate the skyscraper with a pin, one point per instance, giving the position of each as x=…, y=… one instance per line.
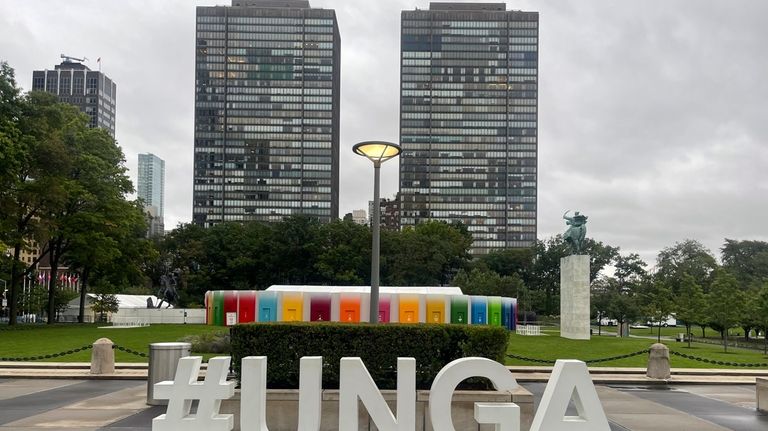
x=468, y=120
x=151, y=190
x=90, y=90
x=267, y=85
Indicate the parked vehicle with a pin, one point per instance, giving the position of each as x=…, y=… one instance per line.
x=670, y=321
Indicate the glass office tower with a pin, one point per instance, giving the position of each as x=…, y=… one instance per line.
x=468, y=120
x=267, y=84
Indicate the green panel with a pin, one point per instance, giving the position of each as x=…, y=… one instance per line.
x=459, y=310
x=218, y=308
x=494, y=311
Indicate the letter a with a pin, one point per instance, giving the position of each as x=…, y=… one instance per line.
x=570, y=378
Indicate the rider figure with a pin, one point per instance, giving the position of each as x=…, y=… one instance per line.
x=577, y=230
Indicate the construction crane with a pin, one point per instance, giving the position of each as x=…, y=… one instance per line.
x=69, y=59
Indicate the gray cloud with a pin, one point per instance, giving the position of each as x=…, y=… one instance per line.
x=652, y=113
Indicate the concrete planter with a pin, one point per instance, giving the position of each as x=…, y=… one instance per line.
x=283, y=407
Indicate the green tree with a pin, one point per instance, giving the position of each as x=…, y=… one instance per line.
x=690, y=304
x=621, y=303
x=746, y=260
x=659, y=303
x=105, y=303
x=687, y=257
x=488, y=283
x=34, y=164
x=761, y=308
x=345, y=253
x=725, y=303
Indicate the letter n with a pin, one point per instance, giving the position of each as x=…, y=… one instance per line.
x=356, y=383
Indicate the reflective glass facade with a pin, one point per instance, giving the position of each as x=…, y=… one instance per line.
x=266, y=112
x=151, y=182
x=468, y=120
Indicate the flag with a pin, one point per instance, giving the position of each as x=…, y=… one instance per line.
x=98, y=60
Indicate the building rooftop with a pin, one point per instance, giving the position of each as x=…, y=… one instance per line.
x=467, y=6
x=71, y=65
x=284, y=4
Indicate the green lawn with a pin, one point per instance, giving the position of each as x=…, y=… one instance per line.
x=551, y=346
x=43, y=340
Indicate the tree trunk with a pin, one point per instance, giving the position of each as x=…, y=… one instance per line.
x=765, y=341
x=83, y=292
x=658, y=339
x=13, y=306
x=688, y=333
x=703, y=331
x=726, y=340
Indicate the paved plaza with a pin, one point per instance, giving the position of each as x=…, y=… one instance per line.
x=119, y=405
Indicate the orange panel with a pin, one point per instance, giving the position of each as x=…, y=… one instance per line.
x=409, y=309
x=349, y=308
x=435, y=310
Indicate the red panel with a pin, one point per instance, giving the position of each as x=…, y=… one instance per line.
x=246, y=307
x=230, y=303
x=320, y=308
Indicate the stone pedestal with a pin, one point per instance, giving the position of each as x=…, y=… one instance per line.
x=761, y=392
x=102, y=357
x=658, y=362
x=574, y=297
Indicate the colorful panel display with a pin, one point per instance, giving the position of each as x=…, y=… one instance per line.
x=246, y=306
x=229, y=307
x=267, y=307
x=218, y=308
x=293, y=304
x=349, y=308
x=479, y=306
x=435, y=309
x=385, y=307
x=409, y=308
x=320, y=307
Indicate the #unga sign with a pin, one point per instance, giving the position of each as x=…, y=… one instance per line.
x=569, y=381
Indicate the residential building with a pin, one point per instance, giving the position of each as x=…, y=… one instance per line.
x=389, y=210
x=468, y=120
x=267, y=93
x=92, y=91
x=151, y=190
x=359, y=217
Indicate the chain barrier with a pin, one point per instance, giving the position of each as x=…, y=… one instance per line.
x=716, y=362
x=131, y=351
x=589, y=361
x=48, y=356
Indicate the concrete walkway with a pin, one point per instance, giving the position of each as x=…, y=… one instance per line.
x=118, y=405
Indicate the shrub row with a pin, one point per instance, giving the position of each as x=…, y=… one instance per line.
x=379, y=346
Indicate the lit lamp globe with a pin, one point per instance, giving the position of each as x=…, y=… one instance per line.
x=378, y=152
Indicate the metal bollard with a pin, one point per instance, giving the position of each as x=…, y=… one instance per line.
x=163, y=360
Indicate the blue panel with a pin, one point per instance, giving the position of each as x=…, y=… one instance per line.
x=479, y=310
x=507, y=313
x=267, y=304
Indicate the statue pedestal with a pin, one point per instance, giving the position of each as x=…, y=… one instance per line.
x=574, y=297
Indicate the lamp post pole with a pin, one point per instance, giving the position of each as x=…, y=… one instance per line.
x=375, y=232
x=378, y=152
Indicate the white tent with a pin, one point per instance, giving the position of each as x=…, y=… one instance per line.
x=124, y=302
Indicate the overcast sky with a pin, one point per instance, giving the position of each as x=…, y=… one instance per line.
x=653, y=114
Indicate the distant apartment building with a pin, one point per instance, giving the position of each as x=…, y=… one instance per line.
x=267, y=95
x=359, y=216
x=93, y=92
x=151, y=190
x=469, y=120
x=389, y=209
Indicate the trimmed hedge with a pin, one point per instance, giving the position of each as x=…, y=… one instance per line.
x=379, y=346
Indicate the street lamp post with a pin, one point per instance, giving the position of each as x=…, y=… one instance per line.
x=378, y=152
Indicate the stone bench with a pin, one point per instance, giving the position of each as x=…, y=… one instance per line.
x=761, y=391
x=282, y=409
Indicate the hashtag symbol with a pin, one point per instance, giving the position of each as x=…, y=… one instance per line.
x=185, y=388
